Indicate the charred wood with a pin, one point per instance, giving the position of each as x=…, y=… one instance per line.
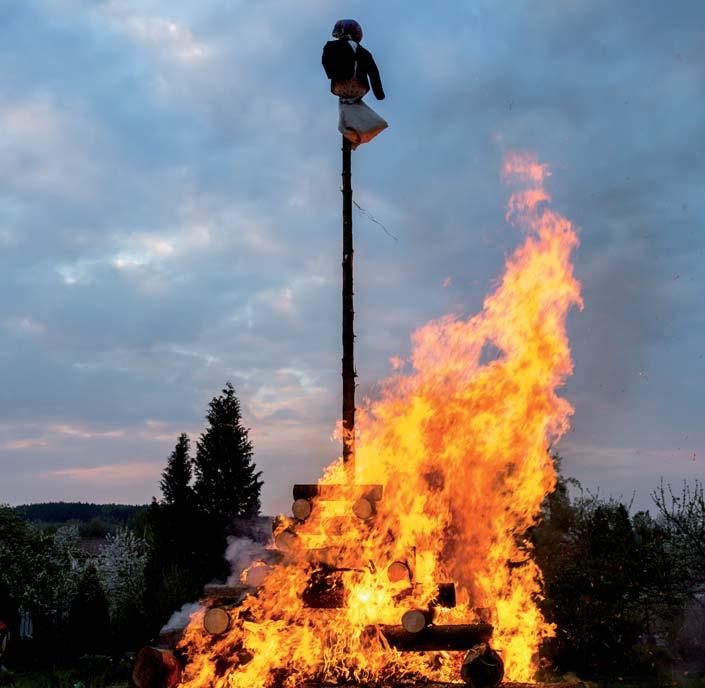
x=450, y=638
x=222, y=591
x=445, y=596
x=333, y=493
x=325, y=590
x=482, y=667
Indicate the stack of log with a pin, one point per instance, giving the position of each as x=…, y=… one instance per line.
x=159, y=666
x=482, y=666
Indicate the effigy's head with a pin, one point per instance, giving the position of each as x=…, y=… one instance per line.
x=347, y=28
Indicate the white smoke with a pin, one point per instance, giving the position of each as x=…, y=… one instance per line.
x=241, y=553
x=179, y=619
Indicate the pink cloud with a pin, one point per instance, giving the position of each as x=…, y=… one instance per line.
x=77, y=431
x=25, y=444
x=108, y=474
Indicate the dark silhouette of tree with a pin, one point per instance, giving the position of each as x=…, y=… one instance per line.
x=684, y=519
x=610, y=583
x=227, y=484
x=89, y=616
x=176, y=478
x=187, y=530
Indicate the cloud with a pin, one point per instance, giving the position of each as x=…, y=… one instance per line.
x=25, y=444
x=170, y=219
x=169, y=38
x=109, y=474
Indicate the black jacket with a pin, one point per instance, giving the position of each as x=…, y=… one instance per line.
x=339, y=63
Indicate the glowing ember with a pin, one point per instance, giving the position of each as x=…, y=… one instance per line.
x=461, y=447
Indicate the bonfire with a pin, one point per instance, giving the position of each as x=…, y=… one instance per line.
x=412, y=566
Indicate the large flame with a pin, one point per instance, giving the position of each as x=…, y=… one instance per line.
x=460, y=442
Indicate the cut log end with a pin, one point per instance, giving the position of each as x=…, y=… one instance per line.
x=216, y=621
x=156, y=668
x=398, y=571
x=363, y=509
x=415, y=620
x=301, y=509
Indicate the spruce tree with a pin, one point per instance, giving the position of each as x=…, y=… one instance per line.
x=176, y=478
x=227, y=482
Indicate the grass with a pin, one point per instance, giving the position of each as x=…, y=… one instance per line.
x=86, y=672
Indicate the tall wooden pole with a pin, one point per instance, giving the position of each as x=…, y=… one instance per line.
x=349, y=374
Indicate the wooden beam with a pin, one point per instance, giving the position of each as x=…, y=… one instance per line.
x=333, y=493
x=349, y=373
x=449, y=638
x=227, y=592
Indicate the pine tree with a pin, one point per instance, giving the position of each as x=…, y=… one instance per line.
x=227, y=483
x=176, y=478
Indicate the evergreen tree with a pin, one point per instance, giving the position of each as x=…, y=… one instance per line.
x=176, y=478
x=227, y=484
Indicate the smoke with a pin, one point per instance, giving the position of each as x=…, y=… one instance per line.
x=179, y=619
x=241, y=553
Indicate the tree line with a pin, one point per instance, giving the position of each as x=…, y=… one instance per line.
x=65, y=599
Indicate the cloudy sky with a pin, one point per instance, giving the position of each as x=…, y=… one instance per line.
x=169, y=220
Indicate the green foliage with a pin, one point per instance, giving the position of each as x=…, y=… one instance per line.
x=35, y=566
x=89, y=618
x=96, y=529
x=227, y=485
x=610, y=584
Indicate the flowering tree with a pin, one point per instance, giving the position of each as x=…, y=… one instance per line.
x=120, y=564
x=38, y=568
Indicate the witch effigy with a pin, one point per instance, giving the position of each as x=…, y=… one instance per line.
x=352, y=71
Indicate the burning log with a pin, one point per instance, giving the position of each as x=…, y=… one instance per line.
x=337, y=557
x=302, y=509
x=445, y=596
x=256, y=574
x=415, y=620
x=398, y=571
x=482, y=667
x=449, y=638
x=231, y=593
x=286, y=540
x=216, y=620
x=332, y=493
x=364, y=508
x=325, y=590
x=156, y=667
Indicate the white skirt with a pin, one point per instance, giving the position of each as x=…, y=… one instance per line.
x=359, y=123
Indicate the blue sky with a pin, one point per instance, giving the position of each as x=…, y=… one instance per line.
x=170, y=219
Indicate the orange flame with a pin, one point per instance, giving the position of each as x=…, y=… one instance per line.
x=461, y=447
